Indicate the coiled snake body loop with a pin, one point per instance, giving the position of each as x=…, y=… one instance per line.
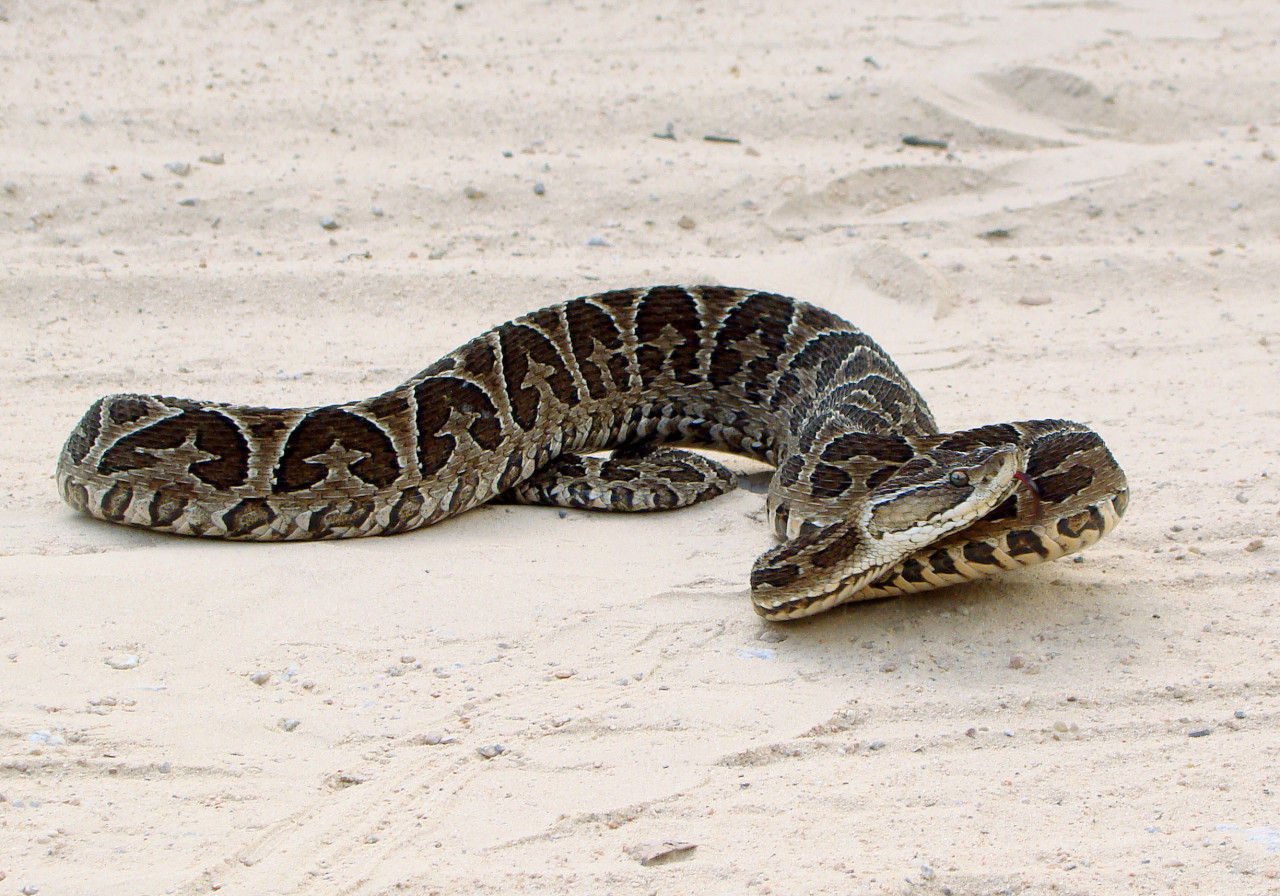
x=869, y=498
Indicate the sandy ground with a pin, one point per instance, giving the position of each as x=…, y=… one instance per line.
x=1098, y=242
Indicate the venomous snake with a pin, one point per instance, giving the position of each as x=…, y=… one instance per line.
x=868, y=498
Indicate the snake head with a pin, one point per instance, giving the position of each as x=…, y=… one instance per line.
x=940, y=492
x=933, y=495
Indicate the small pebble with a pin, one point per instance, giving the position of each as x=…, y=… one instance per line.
x=46, y=737
x=1240, y=714
x=10, y=188
x=408, y=658
x=433, y=738
x=124, y=661
x=1017, y=661
x=213, y=158
x=931, y=142
x=328, y=223
x=1255, y=545
x=29, y=890
x=290, y=724
x=491, y=750
x=686, y=223
x=473, y=193
x=188, y=202
x=772, y=636
x=596, y=241
x=539, y=188
x=260, y=678
x=659, y=851
x=926, y=872
x=1035, y=300
x=876, y=745
x=1202, y=732
x=182, y=169
x=563, y=673
x=377, y=211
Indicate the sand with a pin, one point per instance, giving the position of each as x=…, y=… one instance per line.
x=305, y=203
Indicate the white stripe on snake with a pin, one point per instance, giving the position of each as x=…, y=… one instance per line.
x=869, y=498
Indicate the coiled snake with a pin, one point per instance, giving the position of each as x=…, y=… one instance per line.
x=869, y=498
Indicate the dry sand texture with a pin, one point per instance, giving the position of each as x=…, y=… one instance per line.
x=519, y=701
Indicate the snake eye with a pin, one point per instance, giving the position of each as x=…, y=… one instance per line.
x=958, y=478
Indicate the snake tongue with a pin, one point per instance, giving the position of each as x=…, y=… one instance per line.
x=1031, y=487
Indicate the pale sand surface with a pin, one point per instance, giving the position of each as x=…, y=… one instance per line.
x=1028, y=735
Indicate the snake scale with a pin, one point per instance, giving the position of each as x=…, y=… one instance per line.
x=868, y=498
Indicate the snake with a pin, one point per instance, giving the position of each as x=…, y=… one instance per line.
x=595, y=404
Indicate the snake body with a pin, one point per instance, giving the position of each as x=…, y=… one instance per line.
x=869, y=498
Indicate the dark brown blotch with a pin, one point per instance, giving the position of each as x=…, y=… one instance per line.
x=774, y=576
x=166, y=506
x=912, y=571
x=1056, y=487
x=590, y=327
x=439, y=399
x=839, y=549
x=212, y=433
x=667, y=312
x=320, y=431
x=979, y=553
x=940, y=562
x=80, y=443
x=1049, y=452
x=339, y=518
x=266, y=426
x=513, y=472
x=520, y=345
x=128, y=408
x=1023, y=542
x=75, y=495
x=247, y=516
x=116, y=501
x=1005, y=510
x=478, y=358
x=664, y=498
x=750, y=342
x=823, y=355
x=1075, y=525
x=885, y=448
x=389, y=406
x=829, y=482
x=404, y=514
